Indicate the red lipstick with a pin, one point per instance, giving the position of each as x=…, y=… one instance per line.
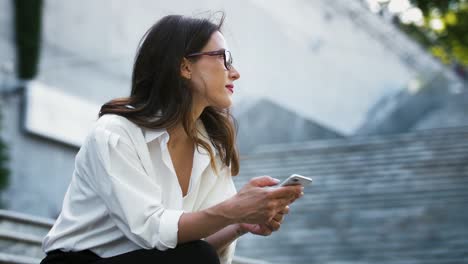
x=230, y=87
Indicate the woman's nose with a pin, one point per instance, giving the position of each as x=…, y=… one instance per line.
x=234, y=74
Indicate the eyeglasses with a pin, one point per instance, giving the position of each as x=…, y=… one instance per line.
x=225, y=53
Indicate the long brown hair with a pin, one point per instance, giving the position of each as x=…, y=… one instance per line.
x=160, y=96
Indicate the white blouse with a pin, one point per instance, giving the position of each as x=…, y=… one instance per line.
x=124, y=194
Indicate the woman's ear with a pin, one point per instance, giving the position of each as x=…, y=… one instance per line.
x=186, y=69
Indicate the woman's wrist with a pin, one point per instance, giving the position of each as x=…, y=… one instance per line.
x=240, y=230
x=223, y=211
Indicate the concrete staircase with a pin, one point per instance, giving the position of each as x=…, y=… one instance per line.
x=400, y=198
x=21, y=237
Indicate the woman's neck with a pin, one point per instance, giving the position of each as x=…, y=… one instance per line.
x=177, y=133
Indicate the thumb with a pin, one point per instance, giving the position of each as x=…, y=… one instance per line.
x=263, y=181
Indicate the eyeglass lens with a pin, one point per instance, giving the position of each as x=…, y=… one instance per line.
x=228, y=59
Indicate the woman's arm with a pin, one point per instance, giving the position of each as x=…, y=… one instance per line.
x=223, y=238
x=251, y=205
x=197, y=225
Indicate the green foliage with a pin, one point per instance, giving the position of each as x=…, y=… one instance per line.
x=28, y=33
x=449, y=41
x=4, y=171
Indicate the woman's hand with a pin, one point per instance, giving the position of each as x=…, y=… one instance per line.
x=267, y=228
x=255, y=204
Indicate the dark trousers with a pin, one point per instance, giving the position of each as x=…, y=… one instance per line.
x=192, y=252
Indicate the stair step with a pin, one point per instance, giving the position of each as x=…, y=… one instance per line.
x=431, y=135
x=17, y=259
x=23, y=223
x=16, y=243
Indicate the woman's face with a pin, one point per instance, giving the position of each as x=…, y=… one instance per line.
x=212, y=83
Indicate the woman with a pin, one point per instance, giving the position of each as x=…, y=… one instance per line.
x=152, y=181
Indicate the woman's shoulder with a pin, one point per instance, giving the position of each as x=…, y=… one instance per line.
x=114, y=120
x=115, y=124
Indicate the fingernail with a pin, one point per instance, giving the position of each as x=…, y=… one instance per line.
x=302, y=193
x=276, y=180
x=302, y=188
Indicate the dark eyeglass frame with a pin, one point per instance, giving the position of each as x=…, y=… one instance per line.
x=224, y=52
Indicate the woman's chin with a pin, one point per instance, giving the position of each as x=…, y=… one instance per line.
x=226, y=103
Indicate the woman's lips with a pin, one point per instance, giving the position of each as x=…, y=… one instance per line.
x=230, y=87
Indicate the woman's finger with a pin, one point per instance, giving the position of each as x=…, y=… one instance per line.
x=278, y=218
x=288, y=192
x=285, y=210
x=273, y=225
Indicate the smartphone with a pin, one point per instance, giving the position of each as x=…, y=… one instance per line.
x=296, y=179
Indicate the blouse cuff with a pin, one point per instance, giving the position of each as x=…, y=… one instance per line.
x=169, y=226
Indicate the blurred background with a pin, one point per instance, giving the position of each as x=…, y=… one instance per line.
x=368, y=97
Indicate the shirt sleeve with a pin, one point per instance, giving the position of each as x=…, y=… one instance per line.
x=132, y=197
x=222, y=190
x=227, y=254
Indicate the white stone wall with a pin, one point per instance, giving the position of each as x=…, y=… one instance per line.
x=302, y=54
